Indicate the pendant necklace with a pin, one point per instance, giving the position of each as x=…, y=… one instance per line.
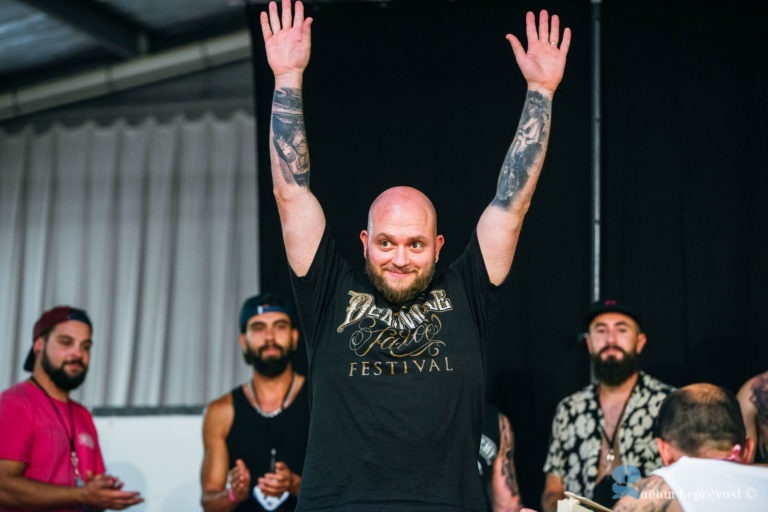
x=611, y=442
x=271, y=414
x=70, y=432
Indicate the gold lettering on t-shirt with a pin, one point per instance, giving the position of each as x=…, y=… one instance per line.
x=363, y=305
x=378, y=368
x=407, y=335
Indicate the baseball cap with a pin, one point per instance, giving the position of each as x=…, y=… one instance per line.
x=263, y=303
x=611, y=305
x=48, y=321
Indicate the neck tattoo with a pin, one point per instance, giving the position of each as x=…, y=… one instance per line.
x=251, y=391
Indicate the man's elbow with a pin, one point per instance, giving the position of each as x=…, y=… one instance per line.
x=549, y=500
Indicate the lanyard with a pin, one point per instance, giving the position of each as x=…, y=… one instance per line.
x=70, y=432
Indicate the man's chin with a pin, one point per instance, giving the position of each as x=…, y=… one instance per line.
x=399, y=286
x=74, y=371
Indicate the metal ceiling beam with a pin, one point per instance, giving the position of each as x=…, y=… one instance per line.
x=126, y=75
x=109, y=29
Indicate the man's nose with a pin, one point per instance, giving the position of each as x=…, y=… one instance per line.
x=78, y=353
x=400, y=257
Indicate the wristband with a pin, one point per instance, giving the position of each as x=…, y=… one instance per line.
x=231, y=493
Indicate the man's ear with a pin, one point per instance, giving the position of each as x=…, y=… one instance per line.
x=588, y=341
x=747, y=454
x=669, y=454
x=641, y=340
x=364, y=239
x=243, y=343
x=439, y=242
x=37, y=346
x=294, y=338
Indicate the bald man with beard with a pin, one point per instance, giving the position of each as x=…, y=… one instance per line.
x=397, y=354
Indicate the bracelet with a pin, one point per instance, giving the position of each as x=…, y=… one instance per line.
x=232, y=498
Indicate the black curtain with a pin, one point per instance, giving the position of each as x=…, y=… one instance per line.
x=428, y=94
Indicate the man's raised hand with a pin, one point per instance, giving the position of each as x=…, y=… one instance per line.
x=543, y=63
x=287, y=39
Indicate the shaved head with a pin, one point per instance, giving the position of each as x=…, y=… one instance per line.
x=701, y=416
x=401, y=244
x=403, y=202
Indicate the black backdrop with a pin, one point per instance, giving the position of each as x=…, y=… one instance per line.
x=428, y=94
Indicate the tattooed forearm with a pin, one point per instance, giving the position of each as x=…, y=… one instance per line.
x=507, y=450
x=289, y=137
x=526, y=149
x=654, y=496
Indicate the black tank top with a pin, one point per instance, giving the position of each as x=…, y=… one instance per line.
x=253, y=436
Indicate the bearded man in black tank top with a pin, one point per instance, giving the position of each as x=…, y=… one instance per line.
x=255, y=436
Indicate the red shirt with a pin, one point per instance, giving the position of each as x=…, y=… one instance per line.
x=31, y=432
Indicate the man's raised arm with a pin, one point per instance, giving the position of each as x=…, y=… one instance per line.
x=542, y=66
x=287, y=40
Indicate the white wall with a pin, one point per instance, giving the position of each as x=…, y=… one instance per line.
x=158, y=455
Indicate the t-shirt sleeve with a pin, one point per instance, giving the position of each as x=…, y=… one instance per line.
x=471, y=267
x=98, y=459
x=315, y=290
x=15, y=430
x=555, y=462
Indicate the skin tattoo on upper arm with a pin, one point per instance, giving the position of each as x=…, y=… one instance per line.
x=289, y=136
x=526, y=148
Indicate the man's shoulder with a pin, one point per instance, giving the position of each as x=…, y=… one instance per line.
x=18, y=406
x=655, y=385
x=218, y=415
x=18, y=393
x=79, y=408
x=217, y=405
x=585, y=394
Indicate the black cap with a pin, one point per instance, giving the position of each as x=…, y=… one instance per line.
x=611, y=305
x=264, y=303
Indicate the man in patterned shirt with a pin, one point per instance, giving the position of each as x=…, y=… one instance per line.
x=610, y=422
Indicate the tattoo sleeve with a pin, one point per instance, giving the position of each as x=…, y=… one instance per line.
x=759, y=398
x=526, y=149
x=655, y=496
x=507, y=449
x=289, y=137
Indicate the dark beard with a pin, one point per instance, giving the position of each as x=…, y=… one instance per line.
x=271, y=367
x=398, y=296
x=60, y=378
x=613, y=372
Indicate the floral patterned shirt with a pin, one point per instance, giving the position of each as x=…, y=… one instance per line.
x=576, y=440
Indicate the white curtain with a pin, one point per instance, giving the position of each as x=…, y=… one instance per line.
x=151, y=228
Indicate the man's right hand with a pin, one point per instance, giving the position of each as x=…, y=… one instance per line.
x=105, y=491
x=287, y=40
x=239, y=480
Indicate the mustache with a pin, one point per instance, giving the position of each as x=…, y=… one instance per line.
x=261, y=350
x=611, y=347
x=76, y=362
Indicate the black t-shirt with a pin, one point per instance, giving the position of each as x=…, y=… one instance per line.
x=396, y=391
x=490, y=441
x=253, y=436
